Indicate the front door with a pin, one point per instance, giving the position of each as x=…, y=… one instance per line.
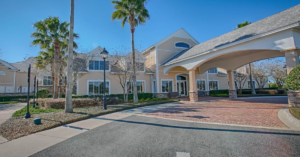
x=181, y=88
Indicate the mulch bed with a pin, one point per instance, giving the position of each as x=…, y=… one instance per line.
x=16, y=127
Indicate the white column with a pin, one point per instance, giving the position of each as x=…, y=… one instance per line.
x=292, y=59
x=232, y=90
x=193, y=94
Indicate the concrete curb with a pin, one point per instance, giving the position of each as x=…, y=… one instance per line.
x=288, y=119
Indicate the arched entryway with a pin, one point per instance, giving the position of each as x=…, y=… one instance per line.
x=182, y=84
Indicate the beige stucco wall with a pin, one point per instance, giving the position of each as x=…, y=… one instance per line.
x=115, y=87
x=8, y=79
x=21, y=80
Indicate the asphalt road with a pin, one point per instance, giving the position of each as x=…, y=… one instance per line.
x=138, y=136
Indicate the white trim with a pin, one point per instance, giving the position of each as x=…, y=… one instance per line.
x=187, y=81
x=207, y=81
x=217, y=84
x=14, y=81
x=167, y=80
x=236, y=43
x=88, y=81
x=157, y=71
x=138, y=81
x=182, y=47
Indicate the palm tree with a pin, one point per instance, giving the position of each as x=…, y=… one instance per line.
x=133, y=12
x=240, y=25
x=49, y=34
x=68, y=105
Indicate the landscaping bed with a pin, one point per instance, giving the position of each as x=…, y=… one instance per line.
x=295, y=111
x=249, y=95
x=8, y=102
x=17, y=126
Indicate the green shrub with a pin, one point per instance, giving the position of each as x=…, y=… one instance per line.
x=216, y=92
x=292, y=81
x=131, y=100
x=148, y=99
x=273, y=86
x=164, y=98
x=142, y=100
x=43, y=93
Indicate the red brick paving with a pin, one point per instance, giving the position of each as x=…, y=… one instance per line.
x=255, y=112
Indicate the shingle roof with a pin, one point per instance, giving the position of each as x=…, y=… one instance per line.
x=23, y=66
x=279, y=20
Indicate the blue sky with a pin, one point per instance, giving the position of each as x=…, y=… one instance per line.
x=202, y=19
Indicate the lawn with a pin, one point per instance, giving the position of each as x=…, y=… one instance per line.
x=8, y=102
x=35, y=110
x=17, y=126
x=295, y=111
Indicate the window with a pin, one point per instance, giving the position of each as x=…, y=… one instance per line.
x=213, y=71
x=98, y=65
x=201, y=85
x=183, y=45
x=97, y=88
x=181, y=78
x=47, y=81
x=249, y=84
x=166, y=86
x=213, y=85
x=140, y=86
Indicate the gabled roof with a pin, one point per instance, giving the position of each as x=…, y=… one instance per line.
x=285, y=18
x=23, y=66
x=179, y=33
x=8, y=65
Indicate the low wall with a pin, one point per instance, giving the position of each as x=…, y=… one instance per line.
x=294, y=98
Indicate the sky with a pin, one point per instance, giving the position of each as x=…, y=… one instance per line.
x=203, y=19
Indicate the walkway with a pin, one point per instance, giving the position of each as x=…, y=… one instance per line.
x=247, y=111
x=6, y=111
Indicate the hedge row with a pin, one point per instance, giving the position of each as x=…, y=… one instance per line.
x=120, y=96
x=248, y=91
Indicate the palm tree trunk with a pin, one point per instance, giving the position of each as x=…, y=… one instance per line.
x=56, y=68
x=135, y=96
x=68, y=105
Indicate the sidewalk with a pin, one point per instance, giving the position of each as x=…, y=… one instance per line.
x=6, y=111
x=28, y=145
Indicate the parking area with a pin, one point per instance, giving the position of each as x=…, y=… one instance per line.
x=247, y=111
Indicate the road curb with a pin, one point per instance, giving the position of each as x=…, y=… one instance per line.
x=288, y=119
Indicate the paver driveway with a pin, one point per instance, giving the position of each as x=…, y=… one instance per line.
x=250, y=111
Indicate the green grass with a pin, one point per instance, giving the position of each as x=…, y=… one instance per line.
x=35, y=110
x=295, y=111
x=8, y=102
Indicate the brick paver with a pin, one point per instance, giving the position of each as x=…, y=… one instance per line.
x=255, y=112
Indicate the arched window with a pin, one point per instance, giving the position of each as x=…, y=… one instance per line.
x=182, y=44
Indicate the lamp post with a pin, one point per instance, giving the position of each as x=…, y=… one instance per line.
x=37, y=91
x=104, y=54
x=34, y=83
x=27, y=115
